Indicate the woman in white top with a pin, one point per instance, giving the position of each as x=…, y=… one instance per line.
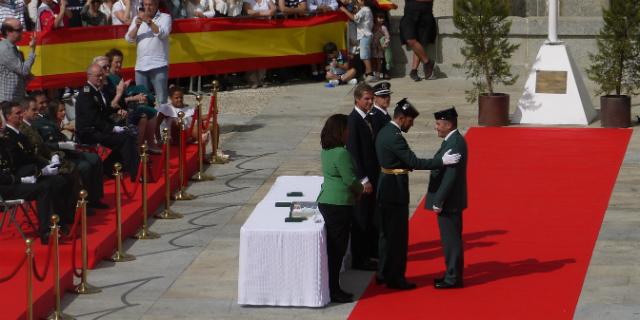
x=105, y=8
x=168, y=116
x=123, y=11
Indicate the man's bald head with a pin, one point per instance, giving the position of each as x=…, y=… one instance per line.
x=10, y=25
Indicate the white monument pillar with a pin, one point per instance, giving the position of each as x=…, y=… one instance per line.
x=554, y=92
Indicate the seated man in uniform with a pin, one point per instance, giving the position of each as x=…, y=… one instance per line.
x=20, y=166
x=93, y=124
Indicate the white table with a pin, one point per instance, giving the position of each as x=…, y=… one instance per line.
x=284, y=263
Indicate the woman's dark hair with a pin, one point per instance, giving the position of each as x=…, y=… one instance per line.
x=173, y=89
x=113, y=53
x=331, y=135
x=52, y=109
x=329, y=47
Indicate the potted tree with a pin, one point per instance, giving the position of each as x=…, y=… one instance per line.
x=616, y=65
x=483, y=27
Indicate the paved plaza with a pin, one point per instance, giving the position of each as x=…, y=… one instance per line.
x=191, y=272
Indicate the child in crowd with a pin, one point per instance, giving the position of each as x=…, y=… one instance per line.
x=364, y=24
x=338, y=69
x=381, y=41
x=168, y=116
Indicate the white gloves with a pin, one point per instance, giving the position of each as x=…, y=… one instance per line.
x=29, y=179
x=55, y=159
x=449, y=158
x=67, y=145
x=118, y=129
x=50, y=170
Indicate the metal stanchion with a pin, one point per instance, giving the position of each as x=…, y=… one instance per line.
x=84, y=287
x=119, y=255
x=167, y=213
x=144, y=233
x=57, y=313
x=200, y=175
x=216, y=157
x=29, y=253
x=181, y=194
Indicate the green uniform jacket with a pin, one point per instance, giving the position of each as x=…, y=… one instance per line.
x=394, y=153
x=448, y=186
x=340, y=185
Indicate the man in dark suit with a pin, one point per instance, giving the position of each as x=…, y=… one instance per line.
x=361, y=146
x=396, y=161
x=381, y=100
x=93, y=124
x=447, y=197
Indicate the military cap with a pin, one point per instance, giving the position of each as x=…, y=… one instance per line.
x=382, y=89
x=446, y=114
x=406, y=108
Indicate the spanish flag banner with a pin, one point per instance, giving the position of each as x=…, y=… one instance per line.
x=196, y=47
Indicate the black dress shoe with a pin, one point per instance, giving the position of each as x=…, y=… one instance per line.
x=44, y=237
x=341, y=297
x=436, y=280
x=414, y=75
x=445, y=285
x=346, y=294
x=97, y=205
x=368, y=265
x=402, y=285
x=379, y=280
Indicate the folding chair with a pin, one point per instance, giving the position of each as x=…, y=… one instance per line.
x=10, y=208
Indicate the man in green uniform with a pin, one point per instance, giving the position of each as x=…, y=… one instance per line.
x=397, y=159
x=447, y=197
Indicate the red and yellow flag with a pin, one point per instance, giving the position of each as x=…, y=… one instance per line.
x=196, y=47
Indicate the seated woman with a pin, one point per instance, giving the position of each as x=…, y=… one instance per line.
x=168, y=116
x=88, y=164
x=137, y=100
x=337, y=197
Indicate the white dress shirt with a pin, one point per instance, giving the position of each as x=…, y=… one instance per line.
x=153, y=48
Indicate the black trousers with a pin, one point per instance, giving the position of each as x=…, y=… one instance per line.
x=364, y=232
x=450, y=224
x=337, y=220
x=46, y=192
x=89, y=166
x=124, y=149
x=394, y=239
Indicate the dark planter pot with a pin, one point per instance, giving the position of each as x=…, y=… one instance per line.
x=493, y=110
x=615, y=111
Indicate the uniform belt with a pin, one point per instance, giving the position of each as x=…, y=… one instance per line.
x=395, y=171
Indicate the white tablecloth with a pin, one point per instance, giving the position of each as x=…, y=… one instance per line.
x=283, y=263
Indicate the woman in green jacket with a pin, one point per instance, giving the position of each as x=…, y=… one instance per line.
x=337, y=197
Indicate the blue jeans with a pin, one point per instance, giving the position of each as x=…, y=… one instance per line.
x=158, y=79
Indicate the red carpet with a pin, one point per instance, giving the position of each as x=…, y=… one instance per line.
x=101, y=241
x=537, y=198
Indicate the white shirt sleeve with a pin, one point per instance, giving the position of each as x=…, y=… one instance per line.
x=164, y=26
x=131, y=27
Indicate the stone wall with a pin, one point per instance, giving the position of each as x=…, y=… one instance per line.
x=579, y=22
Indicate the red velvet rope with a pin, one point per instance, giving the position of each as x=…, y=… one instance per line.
x=74, y=227
x=74, y=238
x=136, y=183
x=206, y=122
x=15, y=271
x=183, y=142
x=46, y=266
x=195, y=118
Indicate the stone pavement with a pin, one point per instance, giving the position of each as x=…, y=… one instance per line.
x=191, y=272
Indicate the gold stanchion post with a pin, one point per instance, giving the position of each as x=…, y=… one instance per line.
x=57, y=313
x=182, y=194
x=144, y=233
x=29, y=253
x=167, y=213
x=200, y=175
x=216, y=157
x=119, y=255
x=84, y=287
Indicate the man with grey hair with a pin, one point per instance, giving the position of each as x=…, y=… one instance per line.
x=94, y=125
x=150, y=32
x=14, y=70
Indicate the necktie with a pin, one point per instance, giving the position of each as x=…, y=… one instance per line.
x=367, y=120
